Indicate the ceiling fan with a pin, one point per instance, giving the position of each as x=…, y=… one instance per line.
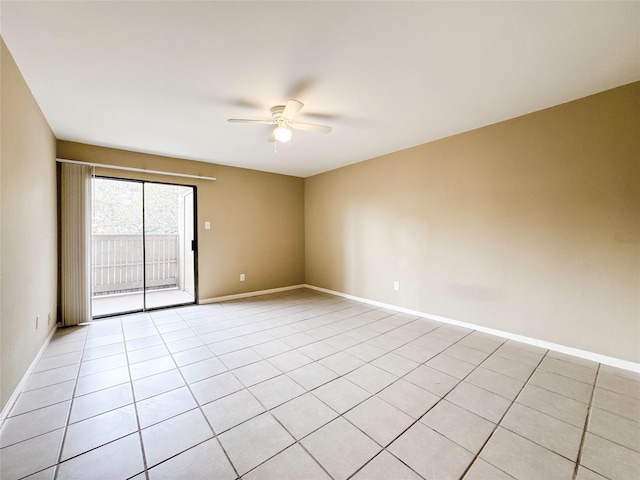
x=282, y=117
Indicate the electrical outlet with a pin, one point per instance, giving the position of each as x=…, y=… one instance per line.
x=37, y=321
x=242, y=277
x=396, y=286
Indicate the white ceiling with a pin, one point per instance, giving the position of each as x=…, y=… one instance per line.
x=163, y=77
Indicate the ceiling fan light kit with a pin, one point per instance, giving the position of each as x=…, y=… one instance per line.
x=282, y=133
x=282, y=118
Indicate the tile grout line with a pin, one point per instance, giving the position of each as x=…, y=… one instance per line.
x=198, y=407
x=296, y=441
x=46, y=432
x=527, y=383
x=319, y=340
x=73, y=397
x=6, y=410
x=66, y=426
x=93, y=416
x=339, y=415
x=390, y=351
x=336, y=334
x=135, y=404
x=562, y=394
x=76, y=379
x=86, y=338
x=586, y=425
x=384, y=448
x=318, y=304
x=269, y=410
x=164, y=344
x=379, y=334
x=497, y=424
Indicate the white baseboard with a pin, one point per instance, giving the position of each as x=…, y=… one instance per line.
x=596, y=357
x=249, y=294
x=16, y=392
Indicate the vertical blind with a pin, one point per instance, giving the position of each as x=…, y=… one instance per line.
x=75, y=225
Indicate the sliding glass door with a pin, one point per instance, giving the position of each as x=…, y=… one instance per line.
x=144, y=254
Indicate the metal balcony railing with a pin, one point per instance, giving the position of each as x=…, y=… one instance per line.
x=117, y=263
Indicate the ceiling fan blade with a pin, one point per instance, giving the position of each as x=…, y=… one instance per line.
x=310, y=127
x=291, y=109
x=242, y=120
x=272, y=138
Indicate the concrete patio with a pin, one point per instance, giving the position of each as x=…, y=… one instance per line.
x=128, y=302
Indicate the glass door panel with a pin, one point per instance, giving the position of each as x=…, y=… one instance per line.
x=169, y=254
x=117, y=274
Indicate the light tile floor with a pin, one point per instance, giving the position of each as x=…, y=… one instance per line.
x=305, y=385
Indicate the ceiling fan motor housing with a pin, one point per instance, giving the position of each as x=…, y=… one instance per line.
x=276, y=112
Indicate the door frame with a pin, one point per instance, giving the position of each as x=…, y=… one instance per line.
x=196, y=245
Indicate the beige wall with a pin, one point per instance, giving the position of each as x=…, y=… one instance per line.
x=257, y=218
x=530, y=226
x=28, y=238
